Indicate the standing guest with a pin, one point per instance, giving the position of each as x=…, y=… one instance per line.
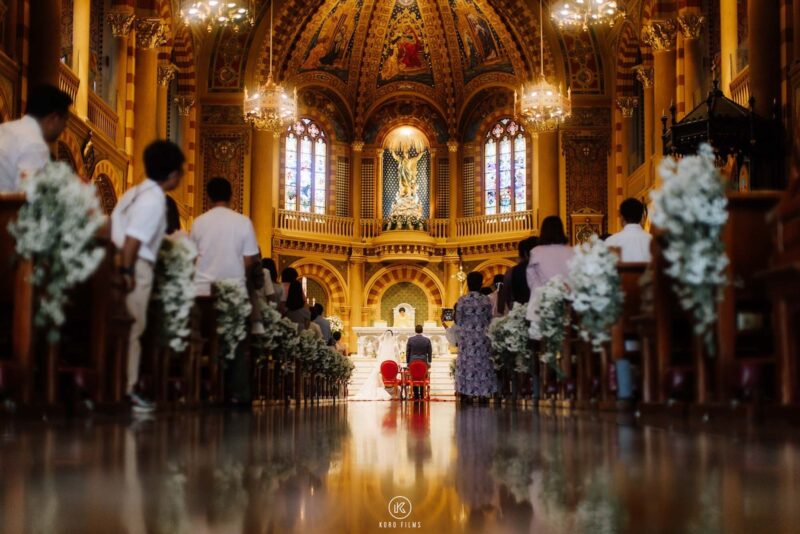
x=418, y=347
x=273, y=290
x=515, y=283
x=339, y=345
x=313, y=325
x=174, y=229
x=23, y=142
x=548, y=259
x=632, y=240
x=322, y=322
x=226, y=250
x=138, y=223
x=475, y=375
x=296, y=310
x=496, y=296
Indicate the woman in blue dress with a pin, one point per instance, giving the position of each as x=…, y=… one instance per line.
x=475, y=375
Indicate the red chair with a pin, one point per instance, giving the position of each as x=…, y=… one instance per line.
x=419, y=377
x=390, y=374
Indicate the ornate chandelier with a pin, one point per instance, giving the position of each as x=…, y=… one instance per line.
x=270, y=107
x=540, y=105
x=585, y=13
x=233, y=14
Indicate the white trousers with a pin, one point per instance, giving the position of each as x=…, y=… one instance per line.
x=137, y=302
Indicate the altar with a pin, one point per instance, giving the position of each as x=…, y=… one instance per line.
x=368, y=339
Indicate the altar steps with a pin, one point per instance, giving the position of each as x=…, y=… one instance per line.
x=442, y=385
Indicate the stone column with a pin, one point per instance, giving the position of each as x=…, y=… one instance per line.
x=545, y=146
x=763, y=27
x=185, y=106
x=265, y=176
x=660, y=35
x=166, y=73
x=626, y=105
x=45, y=42
x=452, y=152
x=432, y=184
x=452, y=285
x=356, y=280
x=81, y=51
x=149, y=33
x=355, y=193
x=728, y=43
x=121, y=19
x=644, y=74
x=691, y=27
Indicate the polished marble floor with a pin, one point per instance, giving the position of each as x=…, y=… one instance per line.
x=383, y=467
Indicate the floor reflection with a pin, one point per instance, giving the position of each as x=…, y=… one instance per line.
x=336, y=469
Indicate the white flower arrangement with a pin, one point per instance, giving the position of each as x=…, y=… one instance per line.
x=595, y=291
x=509, y=337
x=337, y=325
x=174, y=289
x=56, y=230
x=233, y=309
x=691, y=209
x=553, y=316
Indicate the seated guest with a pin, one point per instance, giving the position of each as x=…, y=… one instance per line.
x=419, y=347
x=475, y=374
x=273, y=291
x=313, y=325
x=632, y=240
x=23, y=142
x=295, y=307
x=515, y=284
x=226, y=250
x=138, y=223
x=322, y=322
x=174, y=230
x=339, y=345
x=548, y=259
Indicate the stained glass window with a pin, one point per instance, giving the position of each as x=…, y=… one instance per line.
x=505, y=162
x=305, y=173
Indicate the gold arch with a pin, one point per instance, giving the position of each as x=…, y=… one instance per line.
x=331, y=281
x=419, y=276
x=492, y=267
x=69, y=141
x=117, y=179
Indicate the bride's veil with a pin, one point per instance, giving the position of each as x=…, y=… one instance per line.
x=386, y=347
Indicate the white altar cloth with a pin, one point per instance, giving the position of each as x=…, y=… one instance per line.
x=367, y=339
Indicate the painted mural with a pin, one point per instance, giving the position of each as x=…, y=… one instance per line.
x=331, y=47
x=405, y=54
x=583, y=62
x=480, y=47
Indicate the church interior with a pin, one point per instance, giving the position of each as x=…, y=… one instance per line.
x=385, y=151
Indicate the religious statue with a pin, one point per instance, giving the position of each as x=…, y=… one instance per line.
x=407, y=173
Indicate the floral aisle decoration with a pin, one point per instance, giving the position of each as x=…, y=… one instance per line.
x=56, y=230
x=233, y=308
x=552, y=319
x=337, y=325
x=174, y=290
x=509, y=337
x=691, y=209
x=595, y=291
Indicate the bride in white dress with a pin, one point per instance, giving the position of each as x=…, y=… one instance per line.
x=373, y=386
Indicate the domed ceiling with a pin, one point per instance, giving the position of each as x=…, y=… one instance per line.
x=440, y=53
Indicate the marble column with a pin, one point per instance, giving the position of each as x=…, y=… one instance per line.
x=355, y=193
x=728, y=43
x=265, y=176
x=660, y=35
x=185, y=106
x=45, y=42
x=356, y=281
x=644, y=74
x=763, y=27
x=149, y=34
x=626, y=105
x=81, y=52
x=121, y=20
x=452, y=152
x=545, y=146
x=452, y=285
x=691, y=25
x=166, y=73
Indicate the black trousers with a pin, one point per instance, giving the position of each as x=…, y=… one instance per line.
x=419, y=390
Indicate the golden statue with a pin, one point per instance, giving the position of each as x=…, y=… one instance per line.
x=407, y=172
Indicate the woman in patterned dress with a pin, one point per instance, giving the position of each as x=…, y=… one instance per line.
x=475, y=375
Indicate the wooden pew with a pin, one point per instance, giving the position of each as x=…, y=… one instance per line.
x=16, y=311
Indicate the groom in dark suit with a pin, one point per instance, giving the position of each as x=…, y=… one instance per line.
x=419, y=348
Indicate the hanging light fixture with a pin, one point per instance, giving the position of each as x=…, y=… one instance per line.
x=540, y=105
x=234, y=14
x=585, y=13
x=270, y=107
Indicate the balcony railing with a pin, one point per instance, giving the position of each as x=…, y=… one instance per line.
x=102, y=116
x=740, y=88
x=313, y=223
x=68, y=81
x=520, y=221
x=439, y=228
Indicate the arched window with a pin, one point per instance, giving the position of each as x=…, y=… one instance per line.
x=306, y=167
x=504, y=176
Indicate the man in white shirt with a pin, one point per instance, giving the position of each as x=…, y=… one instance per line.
x=138, y=223
x=632, y=240
x=23, y=142
x=226, y=250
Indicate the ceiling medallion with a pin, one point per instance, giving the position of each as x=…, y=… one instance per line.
x=234, y=14
x=585, y=13
x=270, y=108
x=541, y=105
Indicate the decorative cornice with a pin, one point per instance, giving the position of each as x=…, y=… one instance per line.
x=452, y=145
x=660, y=35
x=691, y=25
x=184, y=103
x=627, y=104
x=166, y=73
x=358, y=146
x=645, y=75
x=121, y=22
x=150, y=33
